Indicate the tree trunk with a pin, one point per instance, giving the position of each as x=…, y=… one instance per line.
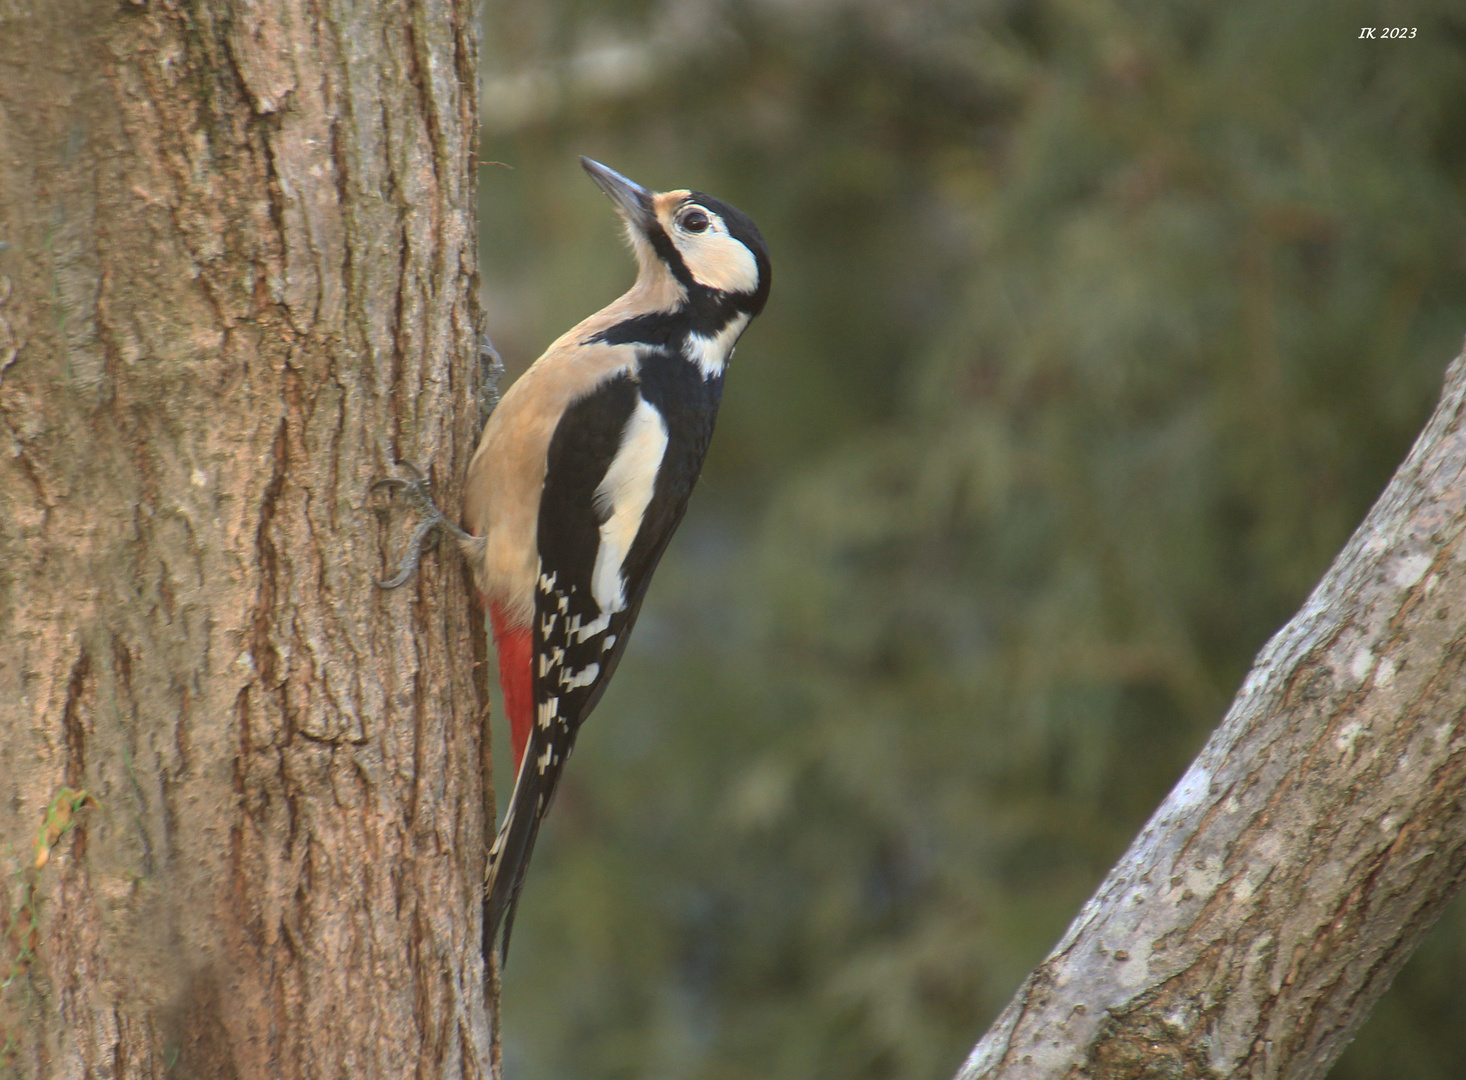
x=237, y=283
x=1279, y=888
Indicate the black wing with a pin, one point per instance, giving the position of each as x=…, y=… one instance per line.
x=577, y=646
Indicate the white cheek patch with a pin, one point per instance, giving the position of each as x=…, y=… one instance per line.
x=711, y=354
x=623, y=497
x=719, y=262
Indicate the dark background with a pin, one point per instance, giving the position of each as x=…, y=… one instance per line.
x=1096, y=327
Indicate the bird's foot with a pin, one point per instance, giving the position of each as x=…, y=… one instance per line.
x=418, y=493
x=491, y=370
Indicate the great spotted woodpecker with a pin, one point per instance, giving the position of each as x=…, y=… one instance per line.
x=582, y=475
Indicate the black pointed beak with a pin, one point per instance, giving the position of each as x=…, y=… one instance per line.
x=633, y=201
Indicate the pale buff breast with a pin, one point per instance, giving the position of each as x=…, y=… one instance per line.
x=502, y=490
x=507, y=473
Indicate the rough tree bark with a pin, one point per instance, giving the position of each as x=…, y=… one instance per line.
x=237, y=283
x=1298, y=863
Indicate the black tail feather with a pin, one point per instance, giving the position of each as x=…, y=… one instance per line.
x=509, y=858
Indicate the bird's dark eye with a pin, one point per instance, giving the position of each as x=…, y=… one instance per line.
x=694, y=221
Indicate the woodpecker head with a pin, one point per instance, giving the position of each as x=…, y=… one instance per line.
x=691, y=245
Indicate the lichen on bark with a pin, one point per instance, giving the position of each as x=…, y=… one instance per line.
x=1285, y=880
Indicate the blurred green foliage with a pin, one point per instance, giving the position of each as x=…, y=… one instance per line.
x=1096, y=328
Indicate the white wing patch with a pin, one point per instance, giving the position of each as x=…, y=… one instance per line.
x=623, y=497
x=586, y=676
x=711, y=354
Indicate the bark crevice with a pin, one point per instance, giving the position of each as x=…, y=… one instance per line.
x=202, y=369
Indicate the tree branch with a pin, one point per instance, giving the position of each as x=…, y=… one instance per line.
x=1275, y=893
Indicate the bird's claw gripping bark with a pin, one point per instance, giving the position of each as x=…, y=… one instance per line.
x=418, y=493
x=491, y=370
